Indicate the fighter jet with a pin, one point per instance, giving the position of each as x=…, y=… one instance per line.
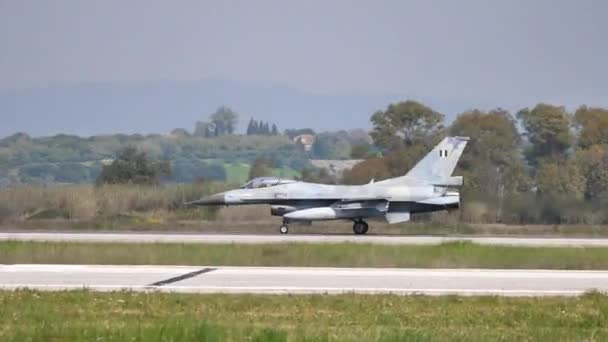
x=427, y=187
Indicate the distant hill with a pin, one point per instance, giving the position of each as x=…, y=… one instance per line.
x=158, y=107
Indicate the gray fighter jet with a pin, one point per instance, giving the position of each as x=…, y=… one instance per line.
x=425, y=188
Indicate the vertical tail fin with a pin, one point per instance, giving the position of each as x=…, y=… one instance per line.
x=439, y=164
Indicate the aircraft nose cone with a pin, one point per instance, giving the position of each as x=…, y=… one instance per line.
x=217, y=199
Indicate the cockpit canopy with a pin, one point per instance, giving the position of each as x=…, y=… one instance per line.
x=263, y=182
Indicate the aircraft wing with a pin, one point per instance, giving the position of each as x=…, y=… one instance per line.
x=361, y=199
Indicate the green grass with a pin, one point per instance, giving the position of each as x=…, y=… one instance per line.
x=286, y=172
x=450, y=255
x=126, y=316
x=237, y=172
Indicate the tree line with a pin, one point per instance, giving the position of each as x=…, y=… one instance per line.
x=224, y=122
x=541, y=165
x=261, y=128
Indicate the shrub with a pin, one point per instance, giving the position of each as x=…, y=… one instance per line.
x=133, y=167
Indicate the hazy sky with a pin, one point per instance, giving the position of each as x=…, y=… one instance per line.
x=499, y=52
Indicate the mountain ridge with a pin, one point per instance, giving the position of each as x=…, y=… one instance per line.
x=160, y=106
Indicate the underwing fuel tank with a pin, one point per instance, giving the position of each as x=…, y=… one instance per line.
x=280, y=210
x=324, y=213
x=329, y=213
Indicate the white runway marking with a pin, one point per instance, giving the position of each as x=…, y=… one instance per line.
x=259, y=239
x=296, y=280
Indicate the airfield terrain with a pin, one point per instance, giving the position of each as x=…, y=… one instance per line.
x=315, y=287
x=297, y=280
x=303, y=263
x=137, y=316
x=230, y=281
x=301, y=238
x=260, y=287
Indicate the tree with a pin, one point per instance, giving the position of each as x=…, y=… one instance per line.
x=203, y=129
x=180, y=132
x=492, y=159
x=72, y=173
x=133, y=167
x=185, y=170
x=16, y=139
x=593, y=163
x=492, y=164
x=261, y=167
x=331, y=145
x=556, y=179
x=548, y=130
x=359, y=136
x=260, y=128
x=592, y=153
x=360, y=151
x=406, y=123
x=294, y=132
x=265, y=130
x=404, y=158
x=38, y=173
x=593, y=126
x=224, y=121
x=252, y=127
x=317, y=175
x=365, y=171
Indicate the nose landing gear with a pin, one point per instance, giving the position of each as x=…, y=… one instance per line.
x=360, y=227
x=284, y=229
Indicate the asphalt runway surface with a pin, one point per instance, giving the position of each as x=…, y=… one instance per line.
x=297, y=238
x=296, y=280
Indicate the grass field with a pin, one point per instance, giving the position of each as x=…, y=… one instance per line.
x=450, y=255
x=125, y=316
x=237, y=173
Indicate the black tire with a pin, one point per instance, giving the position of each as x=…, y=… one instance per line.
x=360, y=227
x=284, y=229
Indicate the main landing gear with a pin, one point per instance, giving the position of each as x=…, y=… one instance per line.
x=360, y=227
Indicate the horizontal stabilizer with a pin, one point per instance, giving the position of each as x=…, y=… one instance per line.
x=397, y=217
x=452, y=181
x=450, y=199
x=362, y=198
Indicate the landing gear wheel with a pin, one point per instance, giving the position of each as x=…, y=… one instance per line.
x=360, y=227
x=284, y=229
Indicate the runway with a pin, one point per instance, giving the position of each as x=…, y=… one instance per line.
x=297, y=238
x=288, y=280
